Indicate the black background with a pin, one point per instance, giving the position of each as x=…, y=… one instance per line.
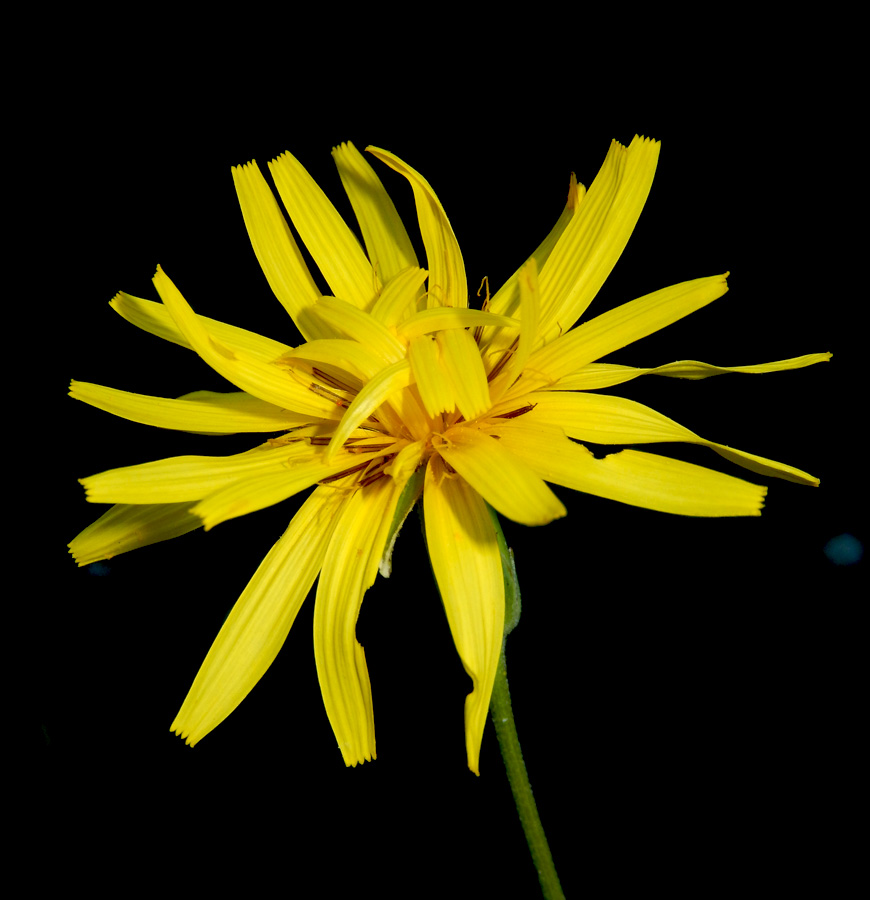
x=683, y=688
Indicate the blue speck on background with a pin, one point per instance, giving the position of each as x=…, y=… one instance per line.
x=844, y=550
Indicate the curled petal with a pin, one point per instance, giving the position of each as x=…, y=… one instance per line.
x=447, y=285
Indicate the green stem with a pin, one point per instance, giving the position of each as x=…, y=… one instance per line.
x=506, y=731
x=518, y=777
x=502, y=712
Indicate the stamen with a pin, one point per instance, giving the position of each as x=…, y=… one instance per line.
x=376, y=470
x=436, y=295
x=484, y=284
x=298, y=370
x=332, y=380
x=339, y=475
x=366, y=448
x=503, y=361
x=371, y=479
x=323, y=392
x=478, y=332
x=521, y=411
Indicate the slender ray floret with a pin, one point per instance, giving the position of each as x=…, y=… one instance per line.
x=399, y=392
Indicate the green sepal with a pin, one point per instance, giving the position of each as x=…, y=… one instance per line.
x=409, y=496
x=512, y=603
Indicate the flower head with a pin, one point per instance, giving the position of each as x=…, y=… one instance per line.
x=401, y=390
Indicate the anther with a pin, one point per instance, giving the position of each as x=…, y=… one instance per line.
x=331, y=380
x=371, y=479
x=478, y=332
x=366, y=448
x=323, y=392
x=503, y=361
x=521, y=411
x=342, y=474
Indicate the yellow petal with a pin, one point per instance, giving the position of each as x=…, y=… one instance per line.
x=349, y=570
x=596, y=236
x=260, y=621
x=530, y=310
x=465, y=559
x=246, y=371
x=502, y=479
x=373, y=394
x=449, y=373
x=601, y=375
x=463, y=370
x=630, y=476
x=506, y=300
x=183, y=478
x=388, y=245
x=447, y=286
x=329, y=240
x=604, y=419
x=406, y=462
x=428, y=321
x=156, y=319
x=247, y=495
x=123, y=528
x=276, y=250
x=344, y=318
x=424, y=355
x=342, y=354
x=399, y=296
x=205, y=412
x=616, y=328
x=149, y=316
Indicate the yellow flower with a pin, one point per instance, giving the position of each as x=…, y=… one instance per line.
x=400, y=390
